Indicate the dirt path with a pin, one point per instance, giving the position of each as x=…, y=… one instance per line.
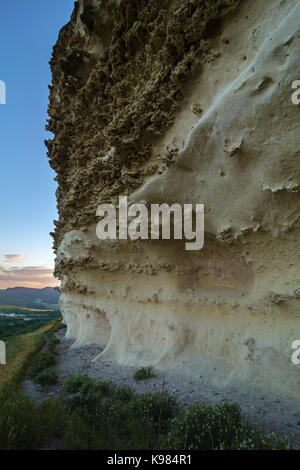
x=271, y=411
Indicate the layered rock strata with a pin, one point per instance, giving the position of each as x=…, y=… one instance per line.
x=186, y=102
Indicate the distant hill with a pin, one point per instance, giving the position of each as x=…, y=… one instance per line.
x=27, y=297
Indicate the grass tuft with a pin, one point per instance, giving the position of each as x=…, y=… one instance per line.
x=41, y=362
x=144, y=373
x=46, y=377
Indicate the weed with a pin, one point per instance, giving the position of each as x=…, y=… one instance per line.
x=42, y=361
x=144, y=373
x=46, y=377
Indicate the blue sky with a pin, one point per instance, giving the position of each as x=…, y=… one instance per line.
x=28, y=31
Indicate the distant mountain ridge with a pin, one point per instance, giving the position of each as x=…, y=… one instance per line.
x=28, y=297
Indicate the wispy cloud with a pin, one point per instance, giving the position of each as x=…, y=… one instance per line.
x=13, y=258
x=27, y=276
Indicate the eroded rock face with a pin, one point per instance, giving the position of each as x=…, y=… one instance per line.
x=186, y=102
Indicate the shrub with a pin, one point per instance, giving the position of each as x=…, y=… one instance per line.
x=149, y=414
x=122, y=394
x=52, y=342
x=129, y=421
x=88, y=394
x=74, y=383
x=51, y=420
x=106, y=417
x=218, y=427
x=80, y=435
x=46, y=377
x=204, y=427
x=157, y=408
x=96, y=389
x=120, y=418
x=17, y=421
x=42, y=361
x=144, y=373
x=115, y=425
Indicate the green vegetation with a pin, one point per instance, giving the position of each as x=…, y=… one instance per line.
x=41, y=362
x=99, y=415
x=52, y=342
x=144, y=373
x=19, y=352
x=92, y=415
x=46, y=377
x=75, y=383
x=15, y=320
x=25, y=426
x=40, y=371
x=219, y=427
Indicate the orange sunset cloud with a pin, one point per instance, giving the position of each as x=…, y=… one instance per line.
x=26, y=276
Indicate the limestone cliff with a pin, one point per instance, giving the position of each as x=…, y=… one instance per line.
x=189, y=102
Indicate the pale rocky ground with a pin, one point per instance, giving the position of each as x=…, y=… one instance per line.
x=267, y=409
